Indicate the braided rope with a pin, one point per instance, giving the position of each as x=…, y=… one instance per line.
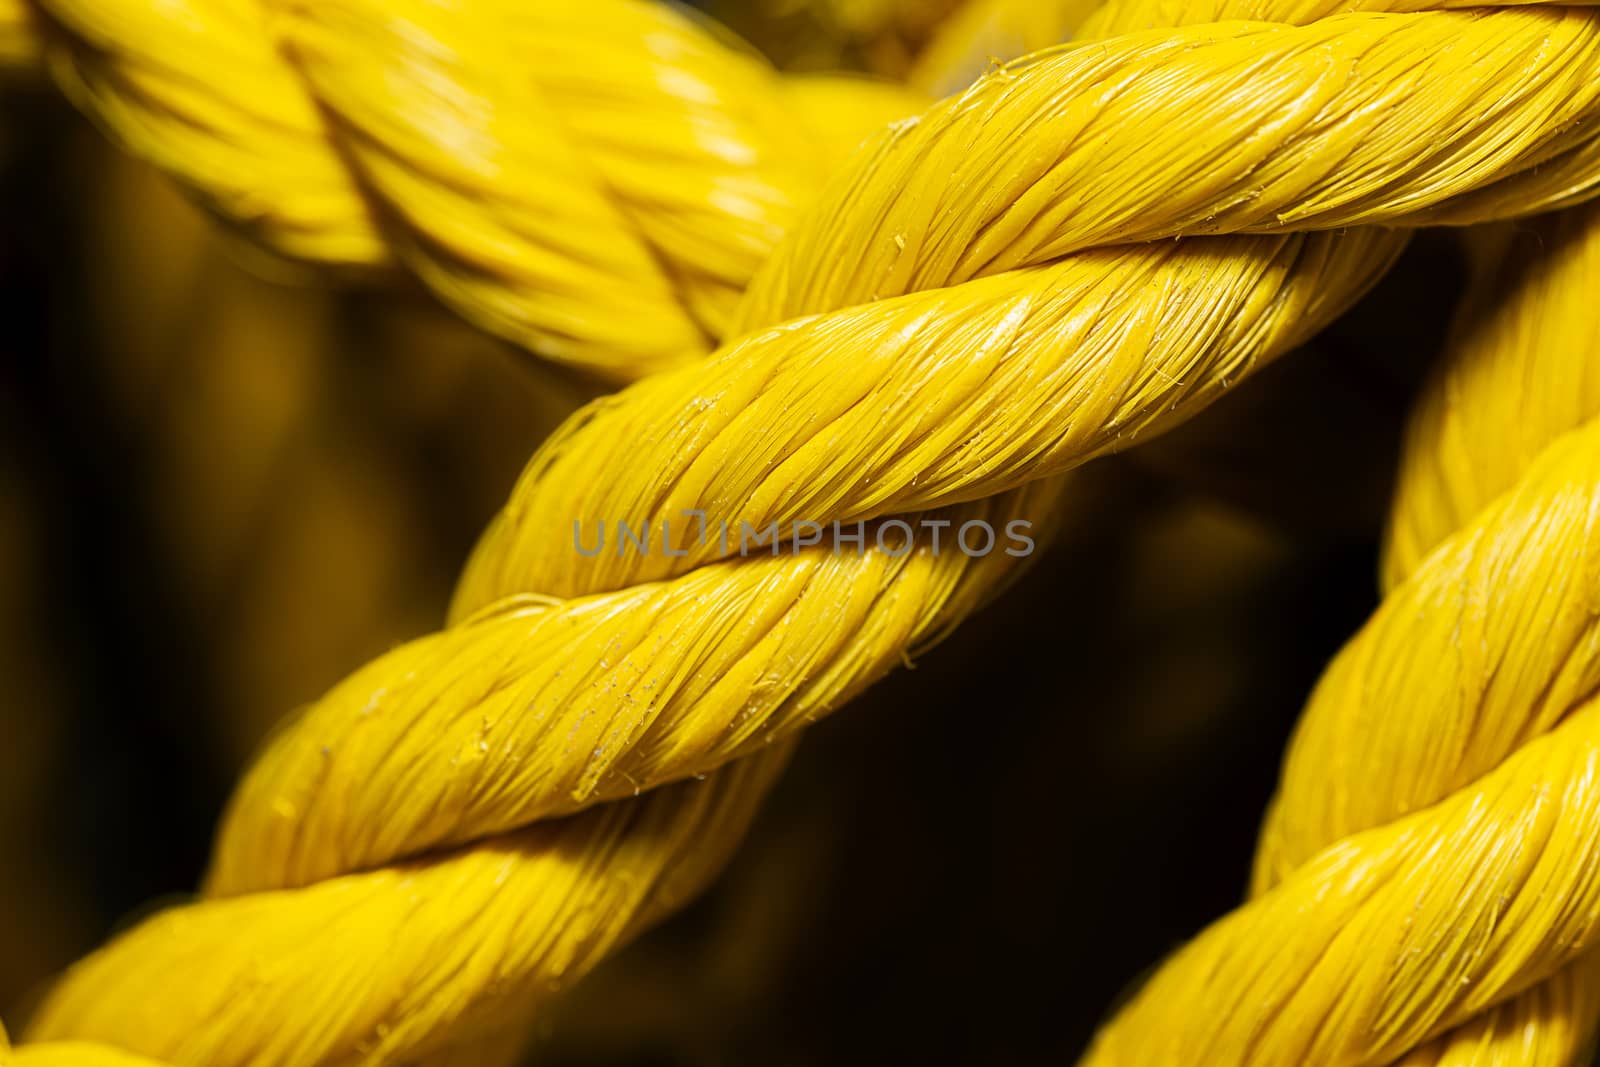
x=969, y=310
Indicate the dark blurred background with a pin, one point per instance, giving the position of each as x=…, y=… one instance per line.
x=220, y=491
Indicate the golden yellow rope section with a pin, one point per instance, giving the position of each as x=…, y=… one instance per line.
x=596, y=182
x=1523, y=646
x=19, y=36
x=1522, y=370
x=983, y=33
x=1430, y=860
x=979, y=302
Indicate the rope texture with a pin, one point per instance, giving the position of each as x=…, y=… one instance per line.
x=1426, y=885
x=981, y=300
x=595, y=185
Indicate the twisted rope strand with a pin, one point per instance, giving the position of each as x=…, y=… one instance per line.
x=1524, y=335
x=392, y=965
x=935, y=256
x=1498, y=736
x=1395, y=934
x=1516, y=378
x=920, y=401
x=547, y=709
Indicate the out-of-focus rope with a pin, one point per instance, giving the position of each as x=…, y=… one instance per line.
x=596, y=182
x=982, y=34
x=883, y=37
x=980, y=302
x=332, y=433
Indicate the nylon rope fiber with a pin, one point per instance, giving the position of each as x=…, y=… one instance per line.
x=1079, y=251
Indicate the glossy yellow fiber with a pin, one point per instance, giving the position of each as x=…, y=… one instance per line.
x=1081, y=250
x=1426, y=878
x=1484, y=417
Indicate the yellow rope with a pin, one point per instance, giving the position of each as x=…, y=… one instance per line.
x=975, y=305
x=1469, y=702
x=594, y=182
